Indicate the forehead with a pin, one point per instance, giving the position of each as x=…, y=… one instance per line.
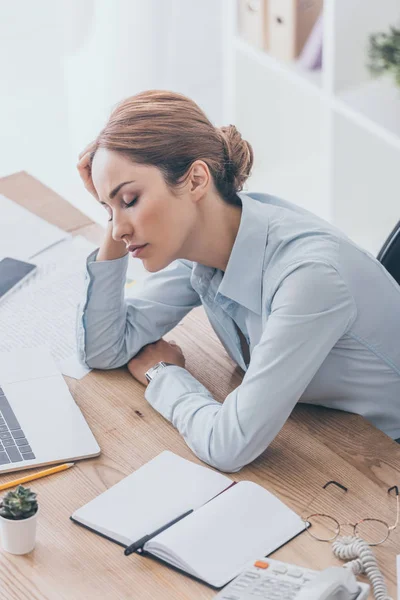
x=112, y=168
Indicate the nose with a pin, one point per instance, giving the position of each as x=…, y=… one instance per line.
x=121, y=227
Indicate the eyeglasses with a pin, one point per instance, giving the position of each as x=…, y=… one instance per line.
x=326, y=528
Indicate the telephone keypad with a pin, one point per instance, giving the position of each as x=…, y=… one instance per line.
x=267, y=579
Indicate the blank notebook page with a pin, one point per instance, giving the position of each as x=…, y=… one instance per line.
x=155, y=494
x=218, y=540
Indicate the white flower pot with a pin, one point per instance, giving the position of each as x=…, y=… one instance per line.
x=18, y=537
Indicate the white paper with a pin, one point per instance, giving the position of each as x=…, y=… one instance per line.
x=23, y=234
x=71, y=367
x=152, y=496
x=26, y=364
x=43, y=310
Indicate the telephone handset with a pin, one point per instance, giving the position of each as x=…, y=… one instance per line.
x=334, y=583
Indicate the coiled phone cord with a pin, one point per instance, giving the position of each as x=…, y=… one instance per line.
x=348, y=547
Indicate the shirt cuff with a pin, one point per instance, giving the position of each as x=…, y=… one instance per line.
x=171, y=386
x=106, y=281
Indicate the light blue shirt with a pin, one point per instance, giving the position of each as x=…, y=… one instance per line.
x=321, y=317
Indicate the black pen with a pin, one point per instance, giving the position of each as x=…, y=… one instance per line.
x=140, y=543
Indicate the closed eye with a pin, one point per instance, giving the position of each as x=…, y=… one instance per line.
x=123, y=205
x=129, y=204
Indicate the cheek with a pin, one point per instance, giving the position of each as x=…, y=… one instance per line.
x=150, y=219
x=157, y=226
x=164, y=223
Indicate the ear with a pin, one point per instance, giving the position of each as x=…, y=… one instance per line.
x=199, y=180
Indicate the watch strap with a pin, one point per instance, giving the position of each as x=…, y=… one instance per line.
x=152, y=372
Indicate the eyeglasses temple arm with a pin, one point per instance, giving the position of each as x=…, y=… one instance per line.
x=335, y=483
x=397, y=501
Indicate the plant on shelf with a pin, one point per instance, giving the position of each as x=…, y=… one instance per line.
x=18, y=516
x=20, y=504
x=384, y=54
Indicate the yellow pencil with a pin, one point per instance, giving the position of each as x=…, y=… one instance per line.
x=37, y=475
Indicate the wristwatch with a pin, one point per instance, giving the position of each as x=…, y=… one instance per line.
x=152, y=372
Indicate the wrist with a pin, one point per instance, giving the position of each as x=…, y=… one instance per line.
x=156, y=369
x=110, y=249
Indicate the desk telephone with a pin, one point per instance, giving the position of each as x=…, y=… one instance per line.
x=274, y=580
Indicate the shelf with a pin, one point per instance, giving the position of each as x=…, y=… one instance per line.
x=311, y=80
x=375, y=106
x=328, y=140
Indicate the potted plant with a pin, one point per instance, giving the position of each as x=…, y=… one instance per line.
x=384, y=54
x=18, y=514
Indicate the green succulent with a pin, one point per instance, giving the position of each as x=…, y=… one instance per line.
x=20, y=504
x=384, y=54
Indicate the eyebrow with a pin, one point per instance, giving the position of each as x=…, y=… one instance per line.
x=115, y=191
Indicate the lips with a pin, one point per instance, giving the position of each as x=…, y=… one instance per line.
x=135, y=249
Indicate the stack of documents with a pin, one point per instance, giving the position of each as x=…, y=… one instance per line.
x=43, y=311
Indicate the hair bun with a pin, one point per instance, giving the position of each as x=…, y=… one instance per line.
x=239, y=155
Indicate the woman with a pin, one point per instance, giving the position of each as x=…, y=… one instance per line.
x=307, y=314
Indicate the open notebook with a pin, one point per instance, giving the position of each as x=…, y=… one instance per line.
x=222, y=534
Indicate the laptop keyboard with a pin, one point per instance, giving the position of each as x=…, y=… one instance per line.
x=14, y=447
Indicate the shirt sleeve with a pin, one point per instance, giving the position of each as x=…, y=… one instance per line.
x=111, y=329
x=311, y=309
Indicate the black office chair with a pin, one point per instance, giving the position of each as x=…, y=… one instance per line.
x=389, y=254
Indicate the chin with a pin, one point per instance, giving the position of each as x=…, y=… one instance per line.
x=152, y=266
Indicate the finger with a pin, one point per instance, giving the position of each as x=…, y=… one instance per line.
x=83, y=167
x=175, y=345
x=87, y=150
x=86, y=176
x=83, y=153
x=84, y=162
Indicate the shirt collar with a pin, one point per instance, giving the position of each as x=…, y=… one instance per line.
x=242, y=281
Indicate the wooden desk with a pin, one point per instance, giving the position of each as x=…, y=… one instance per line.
x=314, y=446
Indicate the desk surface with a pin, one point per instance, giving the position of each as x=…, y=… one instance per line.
x=314, y=446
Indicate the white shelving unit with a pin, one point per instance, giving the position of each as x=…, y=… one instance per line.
x=328, y=140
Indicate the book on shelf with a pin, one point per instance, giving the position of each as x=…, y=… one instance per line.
x=290, y=23
x=253, y=22
x=311, y=55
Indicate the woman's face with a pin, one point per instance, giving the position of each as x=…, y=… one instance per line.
x=154, y=223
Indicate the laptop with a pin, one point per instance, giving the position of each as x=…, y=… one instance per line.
x=40, y=422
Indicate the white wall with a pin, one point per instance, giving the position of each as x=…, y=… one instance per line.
x=64, y=65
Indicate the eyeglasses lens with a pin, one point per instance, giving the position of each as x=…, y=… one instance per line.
x=323, y=527
x=372, y=531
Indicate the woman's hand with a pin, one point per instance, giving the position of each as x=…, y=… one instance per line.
x=110, y=249
x=85, y=173
x=152, y=354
